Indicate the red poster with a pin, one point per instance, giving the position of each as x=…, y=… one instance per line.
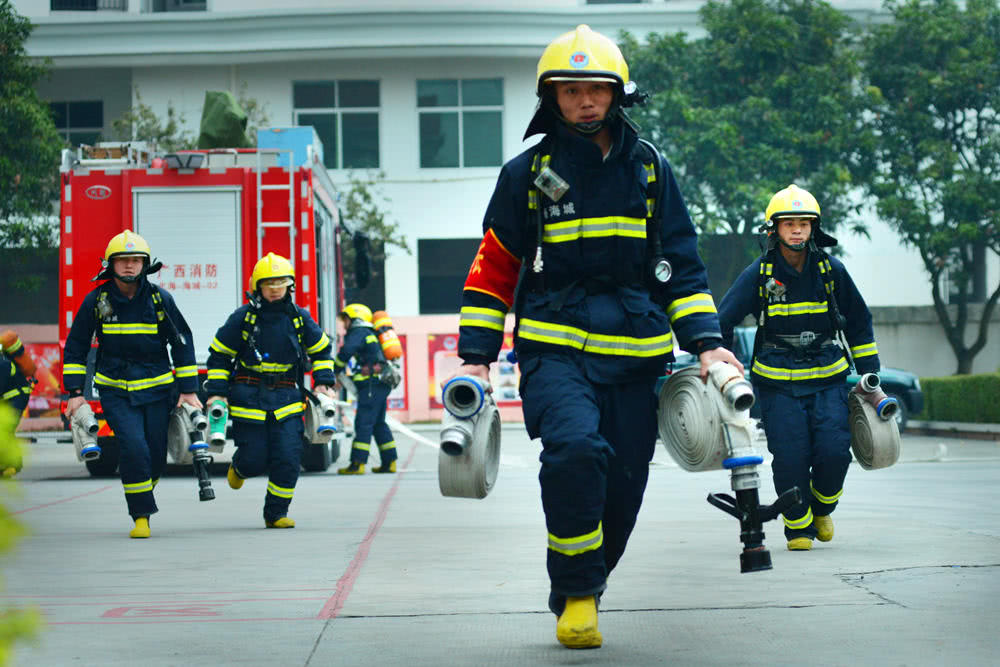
x=397, y=397
x=44, y=400
x=442, y=360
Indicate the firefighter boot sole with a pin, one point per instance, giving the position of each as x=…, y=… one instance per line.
x=800, y=544
x=235, y=481
x=353, y=469
x=824, y=527
x=388, y=468
x=283, y=522
x=141, y=529
x=577, y=627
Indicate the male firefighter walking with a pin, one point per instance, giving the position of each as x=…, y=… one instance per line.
x=256, y=363
x=134, y=321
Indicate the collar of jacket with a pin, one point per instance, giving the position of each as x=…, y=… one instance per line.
x=117, y=295
x=584, y=150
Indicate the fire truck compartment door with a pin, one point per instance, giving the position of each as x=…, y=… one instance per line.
x=196, y=233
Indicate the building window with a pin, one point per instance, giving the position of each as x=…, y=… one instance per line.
x=79, y=122
x=179, y=5
x=88, y=5
x=345, y=115
x=616, y=2
x=460, y=122
x=443, y=265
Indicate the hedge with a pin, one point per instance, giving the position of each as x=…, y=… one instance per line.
x=962, y=398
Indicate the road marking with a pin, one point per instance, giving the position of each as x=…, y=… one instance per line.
x=64, y=500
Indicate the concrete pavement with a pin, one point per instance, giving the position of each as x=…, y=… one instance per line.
x=382, y=570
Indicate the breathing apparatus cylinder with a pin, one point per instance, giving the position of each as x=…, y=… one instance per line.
x=16, y=352
x=869, y=387
x=470, y=439
x=84, y=427
x=218, y=418
x=391, y=347
x=321, y=419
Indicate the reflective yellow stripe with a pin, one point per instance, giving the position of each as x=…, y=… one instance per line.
x=252, y=414
x=290, y=409
x=134, y=385
x=320, y=344
x=74, y=369
x=371, y=338
x=221, y=348
x=800, y=308
x=765, y=270
x=14, y=348
x=139, y=487
x=381, y=322
x=488, y=318
x=558, y=334
x=826, y=500
x=864, y=350
x=587, y=228
x=323, y=365
x=800, y=373
x=268, y=367
x=279, y=491
x=10, y=394
x=218, y=374
x=338, y=363
x=387, y=445
x=572, y=546
x=689, y=305
x=130, y=328
x=358, y=377
x=363, y=446
x=800, y=523
x=186, y=371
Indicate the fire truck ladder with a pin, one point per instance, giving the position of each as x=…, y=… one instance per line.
x=261, y=187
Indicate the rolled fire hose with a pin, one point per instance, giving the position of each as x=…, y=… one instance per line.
x=874, y=441
x=470, y=440
x=703, y=424
x=184, y=419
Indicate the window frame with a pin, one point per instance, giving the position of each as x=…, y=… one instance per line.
x=69, y=129
x=460, y=110
x=338, y=113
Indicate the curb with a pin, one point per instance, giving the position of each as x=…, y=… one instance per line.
x=954, y=429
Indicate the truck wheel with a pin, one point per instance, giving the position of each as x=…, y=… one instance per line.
x=334, y=451
x=107, y=465
x=316, y=457
x=903, y=414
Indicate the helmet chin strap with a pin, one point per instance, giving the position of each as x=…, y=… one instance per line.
x=793, y=246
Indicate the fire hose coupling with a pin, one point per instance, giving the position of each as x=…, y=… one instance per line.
x=321, y=419
x=735, y=388
x=84, y=427
x=218, y=418
x=470, y=439
x=869, y=387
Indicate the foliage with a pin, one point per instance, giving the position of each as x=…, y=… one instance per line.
x=933, y=76
x=29, y=157
x=962, y=398
x=15, y=624
x=363, y=207
x=141, y=123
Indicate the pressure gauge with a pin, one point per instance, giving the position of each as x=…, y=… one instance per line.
x=662, y=270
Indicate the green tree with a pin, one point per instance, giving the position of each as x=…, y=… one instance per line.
x=29, y=143
x=141, y=123
x=934, y=81
x=767, y=98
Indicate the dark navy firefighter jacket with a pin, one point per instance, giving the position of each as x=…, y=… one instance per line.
x=593, y=297
x=803, y=307
x=361, y=343
x=273, y=387
x=132, y=357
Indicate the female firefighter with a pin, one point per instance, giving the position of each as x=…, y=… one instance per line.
x=361, y=344
x=798, y=370
x=134, y=321
x=256, y=363
x=598, y=221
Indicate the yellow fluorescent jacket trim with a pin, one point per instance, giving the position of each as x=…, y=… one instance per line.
x=800, y=373
x=689, y=305
x=559, y=334
x=487, y=318
x=614, y=225
x=572, y=546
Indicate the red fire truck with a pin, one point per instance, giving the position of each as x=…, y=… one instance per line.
x=208, y=215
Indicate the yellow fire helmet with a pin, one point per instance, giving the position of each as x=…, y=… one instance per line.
x=272, y=266
x=127, y=244
x=358, y=311
x=582, y=54
x=792, y=202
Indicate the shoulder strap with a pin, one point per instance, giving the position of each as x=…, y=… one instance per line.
x=164, y=323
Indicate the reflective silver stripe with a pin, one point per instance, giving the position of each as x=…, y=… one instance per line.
x=74, y=369
x=800, y=308
x=800, y=523
x=279, y=491
x=387, y=445
x=134, y=385
x=290, y=409
x=689, y=305
x=826, y=500
x=247, y=413
x=186, y=371
x=218, y=374
x=139, y=487
x=363, y=446
x=323, y=365
x=800, y=373
x=572, y=546
x=221, y=348
x=488, y=318
x=864, y=350
x=614, y=225
x=129, y=328
x=319, y=345
x=558, y=334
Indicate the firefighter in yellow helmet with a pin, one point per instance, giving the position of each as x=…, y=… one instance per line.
x=256, y=364
x=369, y=377
x=610, y=259
x=135, y=322
x=804, y=301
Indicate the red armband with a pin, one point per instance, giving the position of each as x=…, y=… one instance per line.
x=494, y=271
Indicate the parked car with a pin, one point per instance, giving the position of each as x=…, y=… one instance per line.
x=903, y=385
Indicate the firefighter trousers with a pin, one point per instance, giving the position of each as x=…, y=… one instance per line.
x=370, y=421
x=141, y=434
x=597, y=442
x=810, y=439
x=274, y=447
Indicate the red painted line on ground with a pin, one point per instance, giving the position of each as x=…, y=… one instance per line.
x=336, y=602
x=56, y=502
x=166, y=602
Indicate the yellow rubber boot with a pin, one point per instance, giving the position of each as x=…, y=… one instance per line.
x=577, y=627
x=283, y=522
x=800, y=544
x=824, y=527
x=389, y=468
x=235, y=481
x=353, y=469
x=141, y=528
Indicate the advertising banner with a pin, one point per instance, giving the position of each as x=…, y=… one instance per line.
x=442, y=360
